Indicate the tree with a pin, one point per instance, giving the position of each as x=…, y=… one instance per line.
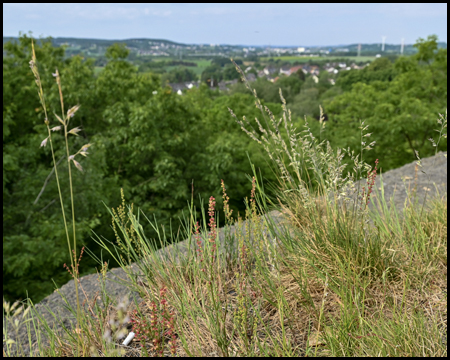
x=145, y=139
x=427, y=49
x=300, y=74
x=306, y=103
x=401, y=112
x=225, y=154
x=212, y=73
x=290, y=86
x=117, y=51
x=380, y=64
x=223, y=61
x=380, y=69
x=230, y=73
x=156, y=67
x=179, y=75
x=34, y=245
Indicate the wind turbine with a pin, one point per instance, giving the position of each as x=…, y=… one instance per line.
x=383, y=40
x=402, y=46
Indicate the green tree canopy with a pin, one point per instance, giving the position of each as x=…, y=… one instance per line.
x=179, y=75
x=145, y=139
x=212, y=73
x=401, y=112
x=117, y=51
x=380, y=69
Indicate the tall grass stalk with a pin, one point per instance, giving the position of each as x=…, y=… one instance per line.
x=64, y=120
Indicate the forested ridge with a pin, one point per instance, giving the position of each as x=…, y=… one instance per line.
x=159, y=146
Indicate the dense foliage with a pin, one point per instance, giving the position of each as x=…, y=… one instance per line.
x=400, y=103
x=179, y=75
x=154, y=143
x=145, y=139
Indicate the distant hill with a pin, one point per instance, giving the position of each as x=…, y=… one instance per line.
x=97, y=47
x=166, y=48
x=88, y=42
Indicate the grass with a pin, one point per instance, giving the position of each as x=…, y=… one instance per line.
x=291, y=59
x=64, y=120
x=331, y=283
x=353, y=58
x=201, y=66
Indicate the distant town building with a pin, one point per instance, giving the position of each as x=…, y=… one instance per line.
x=269, y=70
x=294, y=69
x=314, y=70
x=286, y=70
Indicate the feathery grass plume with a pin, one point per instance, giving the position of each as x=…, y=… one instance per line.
x=11, y=313
x=64, y=120
x=328, y=173
x=119, y=216
x=305, y=152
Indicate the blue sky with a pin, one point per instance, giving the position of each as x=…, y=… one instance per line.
x=243, y=24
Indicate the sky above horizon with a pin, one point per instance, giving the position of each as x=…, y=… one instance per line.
x=234, y=24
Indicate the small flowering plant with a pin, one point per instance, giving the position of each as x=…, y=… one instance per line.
x=371, y=176
x=161, y=325
x=212, y=226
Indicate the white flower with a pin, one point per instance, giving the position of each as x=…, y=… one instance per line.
x=154, y=92
x=75, y=130
x=44, y=142
x=77, y=164
x=72, y=111
x=85, y=147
